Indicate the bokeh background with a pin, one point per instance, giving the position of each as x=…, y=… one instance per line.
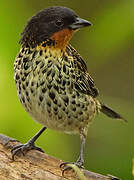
x=108, y=49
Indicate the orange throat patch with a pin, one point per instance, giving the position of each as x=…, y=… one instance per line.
x=62, y=38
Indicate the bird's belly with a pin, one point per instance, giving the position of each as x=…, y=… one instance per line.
x=63, y=112
x=50, y=97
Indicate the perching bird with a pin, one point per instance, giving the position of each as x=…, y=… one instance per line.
x=52, y=80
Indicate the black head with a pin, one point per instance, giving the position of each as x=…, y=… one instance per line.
x=48, y=21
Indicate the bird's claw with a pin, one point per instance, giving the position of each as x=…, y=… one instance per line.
x=23, y=148
x=65, y=166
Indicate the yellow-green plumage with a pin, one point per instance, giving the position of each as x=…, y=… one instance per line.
x=47, y=81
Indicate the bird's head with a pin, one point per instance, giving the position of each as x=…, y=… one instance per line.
x=56, y=24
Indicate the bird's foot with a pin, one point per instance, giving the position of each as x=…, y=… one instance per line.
x=23, y=148
x=65, y=166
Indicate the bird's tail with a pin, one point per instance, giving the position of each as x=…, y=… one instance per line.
x=111, y=113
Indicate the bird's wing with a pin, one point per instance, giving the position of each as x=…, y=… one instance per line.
x=83, y=82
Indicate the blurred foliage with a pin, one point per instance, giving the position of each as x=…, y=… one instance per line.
x=107, y=47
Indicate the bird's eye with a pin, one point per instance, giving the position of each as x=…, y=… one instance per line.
x=59, y=23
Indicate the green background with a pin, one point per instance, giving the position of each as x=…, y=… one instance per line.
x=108, y=49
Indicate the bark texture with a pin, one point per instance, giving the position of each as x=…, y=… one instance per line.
x=36, y=165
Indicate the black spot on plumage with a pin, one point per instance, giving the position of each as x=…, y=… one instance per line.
x=41, y=52
x=49, y=86
x=63, y=108
x=82, y=106
x=49, y=103
x=42, y=65
x=73, y=96
x=66, y=58
x=59, y=117
x=60, y=76
x=58, y=67
x=32, y=83
x=19, y=87
x=27, y=83
x=73, y=76
x=37, y=62
x=66, y=99
x=49, y=61
x=49, y=111
x=28, y=99
x=42, y=83
x=68, y=83
x=58, y=81
x=27, y=94
x=31, y=90
x=64, y=82
x=71, y=71
x=26, y=74
x=19, y=62
x=59, y=104
x=74, y=108
x=55, y=101
x=44, y=71
x=26, y=66
x=29, y=51
x=52, y=95
x=17, y=77
x=22, y=50
x=73, y=102
x=56, y=87
x=37, y=85
x=80, y=113
x=49, y=65
x=44, y=90
x=23, y=99
x=34, y=54
x=53, y=74
x=19, y=56
x=49, y=72
x=63, y=89
x=55, y=108
x=64, y=68
x=23, y=86
x=25, y=60
x=40, y=98
x=78, y=94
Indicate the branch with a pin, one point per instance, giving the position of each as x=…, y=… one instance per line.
x=36, y=165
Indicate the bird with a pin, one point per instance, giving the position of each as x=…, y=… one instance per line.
x=52, y=79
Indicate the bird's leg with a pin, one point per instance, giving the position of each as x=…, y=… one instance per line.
x=80, y=161
x=23, y=148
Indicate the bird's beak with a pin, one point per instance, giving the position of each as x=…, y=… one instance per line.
x=79, y=23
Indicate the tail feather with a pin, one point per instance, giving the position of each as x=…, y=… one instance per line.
x=111, y=113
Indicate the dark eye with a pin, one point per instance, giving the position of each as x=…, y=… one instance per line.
x=59, y=23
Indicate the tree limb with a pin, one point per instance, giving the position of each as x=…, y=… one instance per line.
x=35, y=165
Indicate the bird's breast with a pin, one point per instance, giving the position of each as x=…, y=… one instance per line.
x=46, y=89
